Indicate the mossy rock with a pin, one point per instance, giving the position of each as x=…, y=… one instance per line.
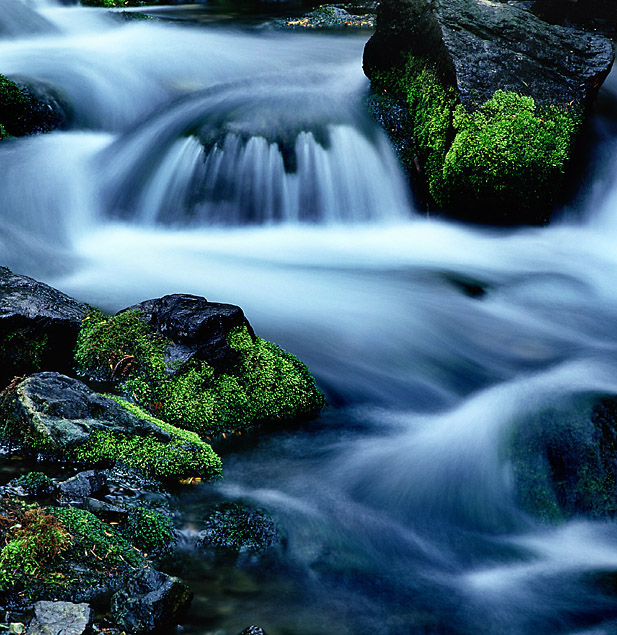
x=65, y=553
x=241, y=533
x=60, y=417
x=563, y=460
x=33, y=484
x=261, y=384
x=492, y=118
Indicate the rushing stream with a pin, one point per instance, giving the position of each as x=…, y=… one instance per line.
x=239, y=163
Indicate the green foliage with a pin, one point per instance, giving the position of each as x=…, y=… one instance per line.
x=185, y=455
x=112, y=347
x=149, y=530
x=95, y=542
x=508, y=156
x=34, y=540
x=35, y=483
x=266, y=384
x=13, y=106
x=508, y=151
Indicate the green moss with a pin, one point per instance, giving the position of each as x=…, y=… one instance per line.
x=34, y=540
x=35, y=484
x=508, y=156
x=149, y=530
x=508, y=153
x=185, y=455
x=13, y=105
x=94, y=541
x=22, y=351
x=266, y=384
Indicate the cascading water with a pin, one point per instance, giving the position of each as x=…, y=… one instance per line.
x=242, y=165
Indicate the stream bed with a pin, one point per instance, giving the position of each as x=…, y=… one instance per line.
x=223, y=158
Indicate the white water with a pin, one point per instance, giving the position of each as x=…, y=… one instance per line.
x=296, y=210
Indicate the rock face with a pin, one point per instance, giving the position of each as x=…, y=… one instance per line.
x=484, y=102
x=197, y=328
x=60, y=618
x=482, y=46
x=597, y=15
x=38, y=326
x=63, y=412
x=150, y=601
x=60, y=417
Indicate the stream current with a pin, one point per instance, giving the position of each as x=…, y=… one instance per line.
x=240, y=164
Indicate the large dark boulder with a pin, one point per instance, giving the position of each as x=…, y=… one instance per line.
x=38, y=326
x=481, y=47
x=196, y=328
x=484, y=101
x=150, y=601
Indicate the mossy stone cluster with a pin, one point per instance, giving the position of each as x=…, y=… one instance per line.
x=60, y=552
x=501, y=161
x=265, y=383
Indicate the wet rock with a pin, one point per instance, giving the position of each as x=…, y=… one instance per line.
x=196, y=328
x=150, y=601
x=82, y=485
x=253, y=630
x=60, y=618
x=62, y=412
x=61, y=417
x=33, y=484
x=481, y=47
x=245, y=534
x=38, y=326
x=525, y=87
x=563, y=460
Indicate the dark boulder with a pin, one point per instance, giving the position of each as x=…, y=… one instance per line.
x=150, y=601
x=481, y=47
x=563, y=460
x=38, y=326
x=60, y=618
x=196, y=328
x=484, y=102
x=61, y=417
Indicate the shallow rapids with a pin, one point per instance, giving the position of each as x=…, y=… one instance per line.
x=241, y=164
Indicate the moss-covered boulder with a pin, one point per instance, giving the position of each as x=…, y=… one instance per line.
x=60, y=552
x=38, y=326
x=492, y=97
x=27, y=109
x=257, y=382
x=60, y=417
x=563, y=460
